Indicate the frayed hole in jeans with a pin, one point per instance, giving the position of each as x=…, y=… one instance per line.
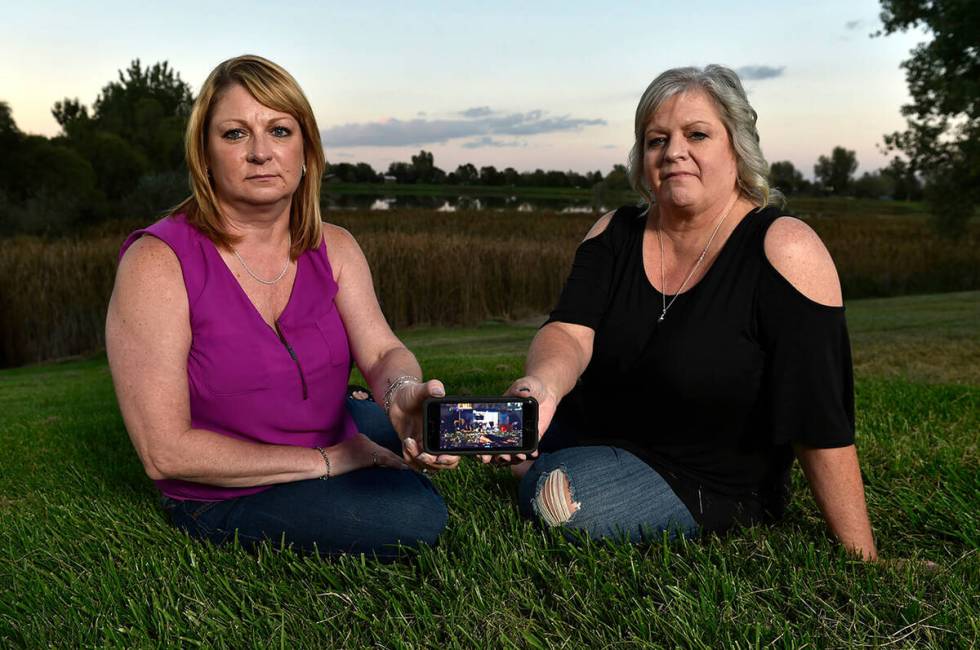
x=554, y=502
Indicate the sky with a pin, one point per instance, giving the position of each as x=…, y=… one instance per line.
x=550, y=85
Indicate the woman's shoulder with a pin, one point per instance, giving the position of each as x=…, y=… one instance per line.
x=614, y=220
x=795, y=251
x=166, y=252
x=339, y=242
x=149, y=254
x=340, y=248
x=173, y=230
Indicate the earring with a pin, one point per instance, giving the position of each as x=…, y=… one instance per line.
x=304, y=170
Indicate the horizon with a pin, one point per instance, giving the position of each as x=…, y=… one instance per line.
x=551, y=86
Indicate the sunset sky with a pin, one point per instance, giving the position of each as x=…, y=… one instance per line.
x=523, y=84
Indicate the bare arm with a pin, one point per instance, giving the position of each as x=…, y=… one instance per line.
x=148, y=336
x=833, y=474
x=835, y=481
x=378, y=353
x=557, y=357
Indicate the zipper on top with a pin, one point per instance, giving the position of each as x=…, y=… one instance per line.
x=292, y=355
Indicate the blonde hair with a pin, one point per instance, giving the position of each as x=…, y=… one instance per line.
x=723, y=86
x=272, y=86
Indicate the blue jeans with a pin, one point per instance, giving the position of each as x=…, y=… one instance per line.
x=618, y=496
x=371, y=510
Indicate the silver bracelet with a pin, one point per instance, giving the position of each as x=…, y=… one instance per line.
x=397, y=383
x=326, y=459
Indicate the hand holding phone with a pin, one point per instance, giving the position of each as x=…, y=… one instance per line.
x=407, y=414
x=480, y=425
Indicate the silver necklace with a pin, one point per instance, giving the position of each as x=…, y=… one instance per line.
x=257, y=278
x=704, y=251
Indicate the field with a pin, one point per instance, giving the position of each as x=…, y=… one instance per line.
x=86, y=558
x=462, y=268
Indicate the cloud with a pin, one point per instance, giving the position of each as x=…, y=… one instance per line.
x=759, y=72
x=477, y=111
x=853, y=24
x=487, y=141
x=418, y=131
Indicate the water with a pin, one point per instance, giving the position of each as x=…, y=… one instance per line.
x=461, y=202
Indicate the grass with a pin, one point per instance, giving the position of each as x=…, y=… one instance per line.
x=86, y=558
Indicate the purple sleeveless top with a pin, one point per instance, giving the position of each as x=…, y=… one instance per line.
x=246, y=379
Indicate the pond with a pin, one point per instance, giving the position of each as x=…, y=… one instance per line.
x=451, y=203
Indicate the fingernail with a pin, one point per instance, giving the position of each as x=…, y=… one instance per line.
x=438, y=392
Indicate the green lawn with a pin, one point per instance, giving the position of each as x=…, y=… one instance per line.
x=86, y=558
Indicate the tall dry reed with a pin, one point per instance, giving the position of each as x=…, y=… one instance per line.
x=53, y=297
x=445, y=268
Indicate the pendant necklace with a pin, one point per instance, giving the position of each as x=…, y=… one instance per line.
x=704, y=251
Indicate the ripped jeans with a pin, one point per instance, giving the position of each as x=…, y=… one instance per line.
x=614, y=495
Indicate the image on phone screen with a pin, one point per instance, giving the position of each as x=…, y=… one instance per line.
x=470, y=426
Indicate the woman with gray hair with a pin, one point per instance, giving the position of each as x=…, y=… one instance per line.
x=698, y=346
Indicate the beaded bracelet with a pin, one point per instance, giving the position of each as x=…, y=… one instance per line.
x=326, y=459
x=397, y=383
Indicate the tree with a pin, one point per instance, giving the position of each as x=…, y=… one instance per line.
x=402, y=171
x=942, y=140
x=364, y=173
x=467, y=174
x=139, y=120
x=10, y=138
x=425, y=169
x=874, y=185
x=8, y=128
x=836, y=173
x=353, y=173
x=71, y=115
x=490, y=176
x=786, y=178
x=908, y=187
x=618, y=178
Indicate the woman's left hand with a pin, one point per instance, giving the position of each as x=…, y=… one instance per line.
x=406, y=416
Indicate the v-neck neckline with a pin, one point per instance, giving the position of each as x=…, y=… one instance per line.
x=244, y=295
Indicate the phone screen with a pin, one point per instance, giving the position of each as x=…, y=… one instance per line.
x=492, y=425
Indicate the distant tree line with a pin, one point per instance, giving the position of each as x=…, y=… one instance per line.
x=834, y=176
x=422, y=169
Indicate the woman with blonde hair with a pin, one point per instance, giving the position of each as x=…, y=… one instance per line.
x=231, y=332
x=698, y=347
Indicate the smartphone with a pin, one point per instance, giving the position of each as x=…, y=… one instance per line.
x=480, y=425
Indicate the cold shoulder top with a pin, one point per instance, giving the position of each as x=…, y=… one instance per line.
x=742, y=366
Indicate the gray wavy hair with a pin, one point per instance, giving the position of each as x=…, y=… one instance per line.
x=739, y=118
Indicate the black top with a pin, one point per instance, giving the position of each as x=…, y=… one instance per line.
x=742, y=366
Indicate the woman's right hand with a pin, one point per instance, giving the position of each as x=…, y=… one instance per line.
x=360, y=452
x=528, y=386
